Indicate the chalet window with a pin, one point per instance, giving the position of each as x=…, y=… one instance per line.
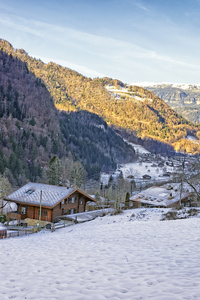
x=44, y=213
x=23, y=210
x=70, y=200
x=63, y=201
x=30, y=191
x=81, y=201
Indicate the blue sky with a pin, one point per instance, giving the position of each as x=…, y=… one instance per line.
x=131, y=40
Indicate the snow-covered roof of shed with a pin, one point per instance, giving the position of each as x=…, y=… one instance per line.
x=30, y=194
x=159, y=196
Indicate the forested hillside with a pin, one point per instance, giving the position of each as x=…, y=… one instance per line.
x=137, y=111
x=32, y=130
x=94, y=142
x=29, y=123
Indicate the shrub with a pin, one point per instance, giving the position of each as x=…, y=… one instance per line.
x=2, y=218
x=116, y=212
x=170, y=215
x=193, y=212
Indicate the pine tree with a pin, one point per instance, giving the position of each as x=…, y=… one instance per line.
x=127, y=199
x=78, y=175
x=54, y=171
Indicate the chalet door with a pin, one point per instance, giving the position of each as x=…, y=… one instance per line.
x=63, y=211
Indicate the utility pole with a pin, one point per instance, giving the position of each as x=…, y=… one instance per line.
x=181, y=189
x=40, y=212
x=1, y=204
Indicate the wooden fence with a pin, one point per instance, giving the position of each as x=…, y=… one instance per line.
x=15, y=233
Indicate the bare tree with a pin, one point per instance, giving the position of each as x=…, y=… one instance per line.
x=5, y=189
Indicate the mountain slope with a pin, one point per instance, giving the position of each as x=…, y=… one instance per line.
x=32, y=129
x=135, y=110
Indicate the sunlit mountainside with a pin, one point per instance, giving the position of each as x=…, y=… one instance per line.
x=171, y=125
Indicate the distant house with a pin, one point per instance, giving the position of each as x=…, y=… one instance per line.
x=161, y=197
x=55, y=201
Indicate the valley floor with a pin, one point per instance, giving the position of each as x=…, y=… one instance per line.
x=111, y=257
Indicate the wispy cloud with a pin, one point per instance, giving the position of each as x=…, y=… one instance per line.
x=141, y=6
x=115, y=50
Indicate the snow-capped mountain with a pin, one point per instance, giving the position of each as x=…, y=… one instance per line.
x=184, y=86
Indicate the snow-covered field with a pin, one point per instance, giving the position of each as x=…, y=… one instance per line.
x=111, y=257
x=139, y=169
x=139, y=148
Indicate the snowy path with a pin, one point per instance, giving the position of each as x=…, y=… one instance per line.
x=108, y=258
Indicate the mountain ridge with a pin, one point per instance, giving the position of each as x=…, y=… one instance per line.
x=163, y=84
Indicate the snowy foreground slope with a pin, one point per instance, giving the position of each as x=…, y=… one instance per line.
x=114, y=257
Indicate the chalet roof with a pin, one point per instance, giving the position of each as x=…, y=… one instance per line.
x=159, y=196
x=51, y=194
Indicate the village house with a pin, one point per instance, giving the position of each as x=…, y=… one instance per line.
x=164, y=196
x=53, y=200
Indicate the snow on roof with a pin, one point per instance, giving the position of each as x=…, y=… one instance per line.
x=30, y=194
x=159, y=196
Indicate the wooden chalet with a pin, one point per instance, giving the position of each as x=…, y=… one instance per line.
x=55, y=201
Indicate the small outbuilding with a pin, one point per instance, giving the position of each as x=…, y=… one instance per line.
x=53, y=201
